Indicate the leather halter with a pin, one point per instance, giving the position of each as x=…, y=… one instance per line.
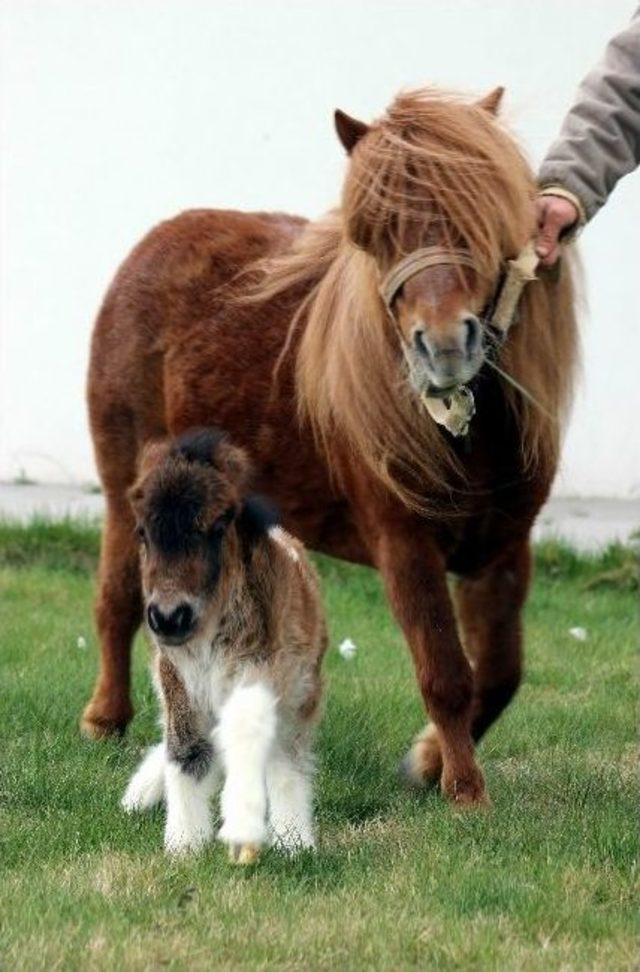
x=413, y=263
x=456, y=410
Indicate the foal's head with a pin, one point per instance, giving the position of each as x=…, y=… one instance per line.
x=437, y=173
x=188, y=495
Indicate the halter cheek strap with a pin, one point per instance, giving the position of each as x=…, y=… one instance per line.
x=456, y=411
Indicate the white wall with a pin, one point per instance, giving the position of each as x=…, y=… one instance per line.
x=118, y=113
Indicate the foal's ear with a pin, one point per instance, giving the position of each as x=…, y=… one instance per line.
x=491, y=102
x=234, y=463
x=349, y=129
x=151, y=456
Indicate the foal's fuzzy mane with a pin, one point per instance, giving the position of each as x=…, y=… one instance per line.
x=432, y=166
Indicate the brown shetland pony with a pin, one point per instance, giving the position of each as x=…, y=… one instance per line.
x=273, y=329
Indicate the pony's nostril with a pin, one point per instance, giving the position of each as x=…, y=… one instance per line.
x=420, y=342
x=472, y=335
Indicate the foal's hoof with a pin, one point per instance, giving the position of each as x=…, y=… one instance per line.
x=244, y=854
x=98, y=723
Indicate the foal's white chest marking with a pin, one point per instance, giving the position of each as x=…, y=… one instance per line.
x=206, y=677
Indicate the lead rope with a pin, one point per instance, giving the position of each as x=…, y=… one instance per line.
x=455, y=411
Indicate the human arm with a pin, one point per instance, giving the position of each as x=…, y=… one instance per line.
x=599, y=143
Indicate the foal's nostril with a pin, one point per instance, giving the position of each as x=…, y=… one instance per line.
x=154, y=618
x=472, y=335
x=182, y=620
x=176, y=624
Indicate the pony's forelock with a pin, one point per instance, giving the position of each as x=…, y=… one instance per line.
x=435, y=165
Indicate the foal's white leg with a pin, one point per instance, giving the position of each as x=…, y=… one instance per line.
x=146, y=786
x=245, y=734
x=188, y=825
x=290, y=801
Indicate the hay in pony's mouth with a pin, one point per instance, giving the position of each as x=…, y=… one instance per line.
x=434, y=392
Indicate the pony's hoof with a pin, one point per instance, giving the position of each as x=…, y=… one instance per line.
x=469, y=801
x=96, y=723
x=244, y=854
x=467, y=794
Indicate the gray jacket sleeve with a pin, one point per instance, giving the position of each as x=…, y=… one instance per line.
x=599, y=141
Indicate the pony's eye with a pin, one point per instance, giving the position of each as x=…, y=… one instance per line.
x=141, y=534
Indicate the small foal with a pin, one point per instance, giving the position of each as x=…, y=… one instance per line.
x=234, y=613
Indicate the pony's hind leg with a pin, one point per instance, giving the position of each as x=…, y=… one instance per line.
x=489, y=612
x=118, y=612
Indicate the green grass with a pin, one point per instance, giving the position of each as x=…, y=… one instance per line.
x=543, y=881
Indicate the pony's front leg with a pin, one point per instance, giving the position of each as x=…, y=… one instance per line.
x=489, y=611
x=245, y=735
x=489, y=608
x=415, y=578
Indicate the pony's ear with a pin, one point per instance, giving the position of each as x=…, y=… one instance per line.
x=349, y=129
x=491, y=102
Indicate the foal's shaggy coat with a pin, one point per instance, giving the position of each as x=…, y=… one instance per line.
x=274, y=329
x=238, y=633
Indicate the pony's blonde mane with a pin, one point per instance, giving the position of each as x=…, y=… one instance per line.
x=432, y=167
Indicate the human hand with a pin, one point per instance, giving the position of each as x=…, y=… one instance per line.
x=554, y=214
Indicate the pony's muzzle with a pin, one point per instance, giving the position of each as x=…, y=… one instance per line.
x=452, y=355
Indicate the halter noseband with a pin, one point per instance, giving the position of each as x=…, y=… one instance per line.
x=413, y=263
x=456, y=410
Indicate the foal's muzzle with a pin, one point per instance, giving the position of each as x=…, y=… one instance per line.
x=172, y=626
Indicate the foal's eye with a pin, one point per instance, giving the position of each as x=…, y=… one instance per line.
x=224, y=520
